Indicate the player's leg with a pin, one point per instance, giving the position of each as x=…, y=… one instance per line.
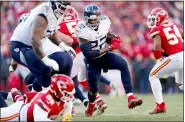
x=64, y=61
x=29, y=81
x=107, y=82
x=11, y=113
x=164, y=67
x=104, y=80
x=113, y=61
x=78, y=94
x=93, y=76
x=100, y=104
x=179, y=79
x=25, y=55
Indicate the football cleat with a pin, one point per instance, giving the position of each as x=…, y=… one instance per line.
x=90, y=109
x=159, y=108
x=16, y=95
x=101, y=106
x=133, y=102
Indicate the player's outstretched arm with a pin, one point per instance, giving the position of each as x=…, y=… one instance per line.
x=86, y=48
x=157, y=47
x=59, y=37
x=37, y=31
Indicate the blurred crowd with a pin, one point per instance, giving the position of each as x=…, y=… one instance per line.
x=128, y=21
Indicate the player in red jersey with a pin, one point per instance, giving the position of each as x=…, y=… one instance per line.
x=46, y=105
x=168, y=50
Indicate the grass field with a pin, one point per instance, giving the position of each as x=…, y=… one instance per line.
x=117, y=110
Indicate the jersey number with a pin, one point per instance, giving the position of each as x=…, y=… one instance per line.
x=172, y=37
x=50, y=99
x=70, y=27
x=96, y=43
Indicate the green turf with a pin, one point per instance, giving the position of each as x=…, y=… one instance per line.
x=117, y=110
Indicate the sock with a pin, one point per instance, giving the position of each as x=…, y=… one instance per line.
x=104, y=80
x=181, y=87
x=91, y=97
x=2, y=102
x=85, y=102
x=98, y=98
x=130, y=96
x=156, y=89
x=85, y=85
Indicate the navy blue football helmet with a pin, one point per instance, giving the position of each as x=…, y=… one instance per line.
x=59, y=7
x=92, y=16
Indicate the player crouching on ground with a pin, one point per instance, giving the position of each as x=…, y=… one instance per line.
x=46, y=105
x=168, y=46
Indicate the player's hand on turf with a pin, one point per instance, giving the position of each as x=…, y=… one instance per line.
x=67, y=118
x=50, y=62
x=115, y=44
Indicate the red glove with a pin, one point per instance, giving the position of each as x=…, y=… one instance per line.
x=115, y=43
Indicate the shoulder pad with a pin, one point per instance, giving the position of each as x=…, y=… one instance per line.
x=105, y=19
x=155, y=31
x=81, y=31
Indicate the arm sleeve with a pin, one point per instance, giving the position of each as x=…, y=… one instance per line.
x=67, y=108
x=88, y=52
x=39, y=114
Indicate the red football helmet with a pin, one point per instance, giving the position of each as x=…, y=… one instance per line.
x=62, y=87
x=157, y=17
x=71, y=14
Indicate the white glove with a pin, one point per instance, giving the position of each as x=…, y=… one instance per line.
x=68, y=49
x=50, y=62
x=11, y=68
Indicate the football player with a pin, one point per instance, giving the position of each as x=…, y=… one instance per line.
x=92, y=35
x=26, y=41
x=46, y=105
x=78, y=68
x=168, y=49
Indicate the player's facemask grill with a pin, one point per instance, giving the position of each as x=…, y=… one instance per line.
x=151, y=21
x=90, y=19
x=60, y=10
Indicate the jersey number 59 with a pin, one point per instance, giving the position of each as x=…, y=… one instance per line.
x=173, y=38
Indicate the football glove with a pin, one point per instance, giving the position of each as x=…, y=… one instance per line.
x=50, y=62
x=68, y=49
x=115, y=43
x=11, y=68
x=67, y=118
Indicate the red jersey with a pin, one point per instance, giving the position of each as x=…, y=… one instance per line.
x=171, y=39
x=45, y=100
x=67, y=27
